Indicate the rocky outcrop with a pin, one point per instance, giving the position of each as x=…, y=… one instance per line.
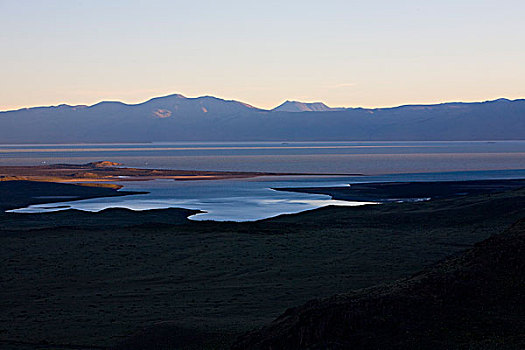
x=103, y=164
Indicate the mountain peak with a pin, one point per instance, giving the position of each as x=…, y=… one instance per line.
x=167, y=97
x=297, y=106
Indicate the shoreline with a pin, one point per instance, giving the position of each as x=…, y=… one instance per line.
x=20, y=194
x=97, y=173
x=23, y=193
x=401, y=191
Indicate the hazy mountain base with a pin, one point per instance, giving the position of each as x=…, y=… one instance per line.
x=90, y=282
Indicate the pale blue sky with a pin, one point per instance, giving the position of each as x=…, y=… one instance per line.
x=345, y=53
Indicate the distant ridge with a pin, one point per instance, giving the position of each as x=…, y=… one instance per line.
x=176, y=98
x=207, y=118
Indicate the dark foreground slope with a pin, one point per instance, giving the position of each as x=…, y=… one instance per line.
x=72, y=280
x=473, y=301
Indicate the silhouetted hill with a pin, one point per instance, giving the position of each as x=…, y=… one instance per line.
x=177, y=118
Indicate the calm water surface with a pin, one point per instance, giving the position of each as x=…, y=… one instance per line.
x=297, y=157
x=247, y=199
x=254, y=199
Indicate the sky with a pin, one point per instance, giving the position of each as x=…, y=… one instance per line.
x=371, y=53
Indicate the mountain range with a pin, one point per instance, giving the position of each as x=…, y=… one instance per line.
x=207, y=118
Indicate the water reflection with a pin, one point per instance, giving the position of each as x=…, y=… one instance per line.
x=223, y=200
x=248, y=199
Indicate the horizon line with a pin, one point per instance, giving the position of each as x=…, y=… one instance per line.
x=262, y=109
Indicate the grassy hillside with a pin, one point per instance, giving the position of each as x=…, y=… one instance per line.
x=72, y=279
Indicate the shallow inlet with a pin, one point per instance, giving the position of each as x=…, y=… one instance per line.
x=219, y=200
x=247, y=199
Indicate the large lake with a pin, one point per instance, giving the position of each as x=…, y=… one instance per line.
x=303, y=157
x=254, y=199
